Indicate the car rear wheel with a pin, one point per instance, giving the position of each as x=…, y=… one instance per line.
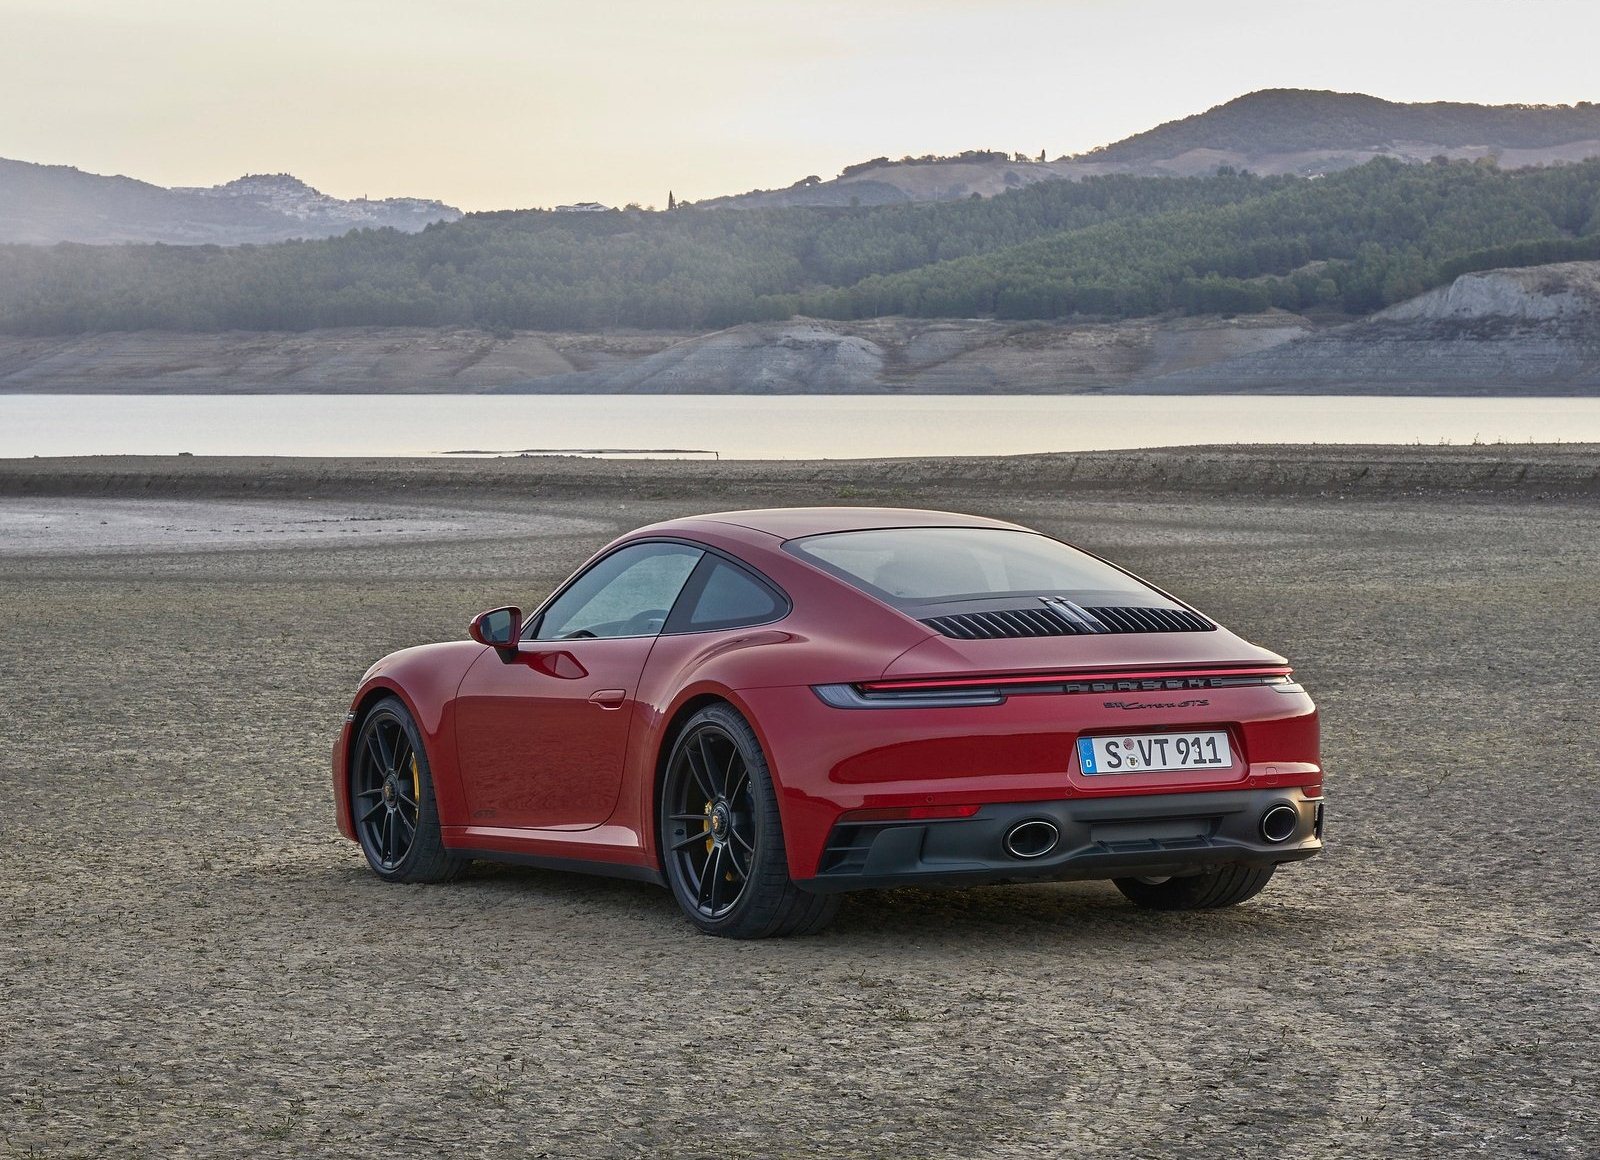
x=1227, y=886
x=391, y=800
x=721, y=837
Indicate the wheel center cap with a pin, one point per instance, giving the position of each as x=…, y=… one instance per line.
x=720, y=822
x=391, y=790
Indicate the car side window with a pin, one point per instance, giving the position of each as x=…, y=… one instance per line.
x=629, y=593
x=726, y=596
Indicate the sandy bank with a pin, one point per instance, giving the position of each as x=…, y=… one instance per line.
x=1504, y=470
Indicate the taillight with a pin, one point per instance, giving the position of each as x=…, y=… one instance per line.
x=957, y=691
x=856, y=697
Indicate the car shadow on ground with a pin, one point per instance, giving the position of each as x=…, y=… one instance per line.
x=1079, y=914
x=1075, y=913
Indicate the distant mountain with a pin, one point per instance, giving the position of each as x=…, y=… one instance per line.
x=43, y=204
x=1303, y=132
x=1275, y=121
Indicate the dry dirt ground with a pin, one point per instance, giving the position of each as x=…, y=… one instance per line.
x=193, y=962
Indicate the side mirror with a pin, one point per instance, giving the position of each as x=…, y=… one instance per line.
x=499, y=628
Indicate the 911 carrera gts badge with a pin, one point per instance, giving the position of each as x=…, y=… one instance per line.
x=1194, y=704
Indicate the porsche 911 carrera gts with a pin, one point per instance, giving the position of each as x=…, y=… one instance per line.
x=761, y=710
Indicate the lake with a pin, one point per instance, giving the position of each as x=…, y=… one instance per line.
x=757, y=427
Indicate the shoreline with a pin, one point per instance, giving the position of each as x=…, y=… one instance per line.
x=1507, y=471
x=1418, y=389
x=1508, y=344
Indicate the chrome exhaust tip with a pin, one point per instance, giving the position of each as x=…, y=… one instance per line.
x=1279, y=823
x=1031, y=839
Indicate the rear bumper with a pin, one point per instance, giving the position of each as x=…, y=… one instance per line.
x=1152, y=835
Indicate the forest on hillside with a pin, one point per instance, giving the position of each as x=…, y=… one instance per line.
x=1108, y=247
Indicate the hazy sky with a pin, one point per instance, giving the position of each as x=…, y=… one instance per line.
x=500, y=103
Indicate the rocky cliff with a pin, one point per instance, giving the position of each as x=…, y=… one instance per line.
x=1505, y=332
x=1524, y=331
x=797, y=357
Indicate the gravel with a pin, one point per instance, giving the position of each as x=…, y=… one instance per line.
x=193, y=962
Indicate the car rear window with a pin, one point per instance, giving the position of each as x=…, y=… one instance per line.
x=923, y=565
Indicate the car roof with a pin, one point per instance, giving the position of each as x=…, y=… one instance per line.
x=789, y=523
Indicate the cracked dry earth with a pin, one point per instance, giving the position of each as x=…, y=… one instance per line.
x=192, y=961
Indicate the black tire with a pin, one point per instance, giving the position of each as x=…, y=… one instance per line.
x=391, y=800
x=721, y=837
x=1227, y=886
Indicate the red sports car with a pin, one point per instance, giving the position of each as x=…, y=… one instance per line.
x=763, y=709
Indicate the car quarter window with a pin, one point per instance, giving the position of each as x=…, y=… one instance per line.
x=724, y=595
x=628, y=593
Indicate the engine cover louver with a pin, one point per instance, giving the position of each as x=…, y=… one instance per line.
x=1047, y=621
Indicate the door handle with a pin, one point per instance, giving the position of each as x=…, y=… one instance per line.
x=609, y=698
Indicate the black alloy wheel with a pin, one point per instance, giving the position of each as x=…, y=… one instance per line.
x=721, y=838
x=711, y=827
x=391, y=800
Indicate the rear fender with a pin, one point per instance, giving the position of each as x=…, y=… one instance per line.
x=654, y=746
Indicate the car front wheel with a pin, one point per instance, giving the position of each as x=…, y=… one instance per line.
x=391, y=800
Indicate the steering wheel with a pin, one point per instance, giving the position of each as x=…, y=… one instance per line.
x=650, y=620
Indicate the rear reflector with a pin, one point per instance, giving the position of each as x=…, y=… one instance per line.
x=907, y=814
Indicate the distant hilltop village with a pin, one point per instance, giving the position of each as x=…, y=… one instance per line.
x=286, y=194
x=46, y=204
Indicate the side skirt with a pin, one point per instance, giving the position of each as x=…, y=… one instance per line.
x=573, y=865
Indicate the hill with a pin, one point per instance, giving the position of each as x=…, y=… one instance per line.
x=1277, y=121
x=1276, y=131
x=44, y=204
x=1109, y=248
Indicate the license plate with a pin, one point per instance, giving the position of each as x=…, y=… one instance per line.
x=1154, y=752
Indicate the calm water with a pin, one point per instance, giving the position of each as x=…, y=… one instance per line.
x=745, y=427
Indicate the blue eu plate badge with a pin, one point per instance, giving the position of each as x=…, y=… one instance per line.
x=1086, y=755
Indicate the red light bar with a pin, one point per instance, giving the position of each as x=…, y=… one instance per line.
x=1000, y=681
x=908, y=813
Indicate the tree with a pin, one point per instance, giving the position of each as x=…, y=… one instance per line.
x=1118, y=246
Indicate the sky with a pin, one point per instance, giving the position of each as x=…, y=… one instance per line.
x=497, y=104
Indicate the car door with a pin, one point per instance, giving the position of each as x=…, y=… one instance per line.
x=541, y=734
